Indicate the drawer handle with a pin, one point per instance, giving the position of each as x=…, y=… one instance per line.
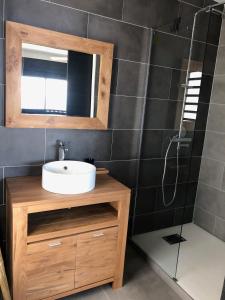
x=98, y=234
x=55, y=244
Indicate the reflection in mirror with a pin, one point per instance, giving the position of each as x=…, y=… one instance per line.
x=192, y=93
x=59, y=82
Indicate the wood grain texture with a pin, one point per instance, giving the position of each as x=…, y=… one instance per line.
x=123, y=215
x=3, y=280
x=44, y=286
x=18, y=252
x=77, y=261
x=70, y=221
x=50, y=256
x=96, y=256
x=50, y=267
x=27, y=192
x=16, y=34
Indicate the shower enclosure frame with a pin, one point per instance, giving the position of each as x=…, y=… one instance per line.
x=207, y=9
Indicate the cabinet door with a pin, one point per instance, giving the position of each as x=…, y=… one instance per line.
x=96, y=256
x=50, y=267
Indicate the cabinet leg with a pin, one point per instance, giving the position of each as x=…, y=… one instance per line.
x=18, y=252
x=117, y=284
x=122, y=239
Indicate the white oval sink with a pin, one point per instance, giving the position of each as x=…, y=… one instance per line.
x=68, y=177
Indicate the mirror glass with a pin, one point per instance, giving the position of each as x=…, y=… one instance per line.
x=59, y=82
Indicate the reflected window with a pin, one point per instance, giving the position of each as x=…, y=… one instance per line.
x=192, y=96
x=48, y=95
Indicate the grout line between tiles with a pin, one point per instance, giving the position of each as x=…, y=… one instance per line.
x=170, y=157
x=214, y=131
x=173, y=68
x=215, y=103
x=131, y=61
x=144, y=159
x=126, y=96
x=160, y=66
x=127, y=129
x=157, y=99
x=94, y=14
x=220, y=218
x=116, y=160
x=184, y=37
x=218, y=75
x=213, y=159
x=207, y=211
x=88, y=25
x=188, y=3
x=211, y=186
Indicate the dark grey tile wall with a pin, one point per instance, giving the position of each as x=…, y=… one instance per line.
x=150, y=13
x=132, y=108
x=80, y=144
x=210, y=201
x=44, y=14
x=106, y=8
x=131, y=42
x=131, y=78
x=22, y=146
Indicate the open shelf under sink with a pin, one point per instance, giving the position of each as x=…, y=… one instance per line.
x=53, y=224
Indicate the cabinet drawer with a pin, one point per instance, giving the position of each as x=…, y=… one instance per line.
x=50, y=267
x=96, y=256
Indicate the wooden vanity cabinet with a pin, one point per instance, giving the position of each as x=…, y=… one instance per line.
x=63, y=244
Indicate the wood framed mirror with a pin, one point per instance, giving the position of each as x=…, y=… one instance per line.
x=56, y=80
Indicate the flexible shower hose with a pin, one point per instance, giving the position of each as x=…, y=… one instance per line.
x=167, y=204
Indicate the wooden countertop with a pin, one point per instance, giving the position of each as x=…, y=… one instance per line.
x=28, y=192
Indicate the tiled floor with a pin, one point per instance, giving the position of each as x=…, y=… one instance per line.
x=141, y=283
x=201, y=265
